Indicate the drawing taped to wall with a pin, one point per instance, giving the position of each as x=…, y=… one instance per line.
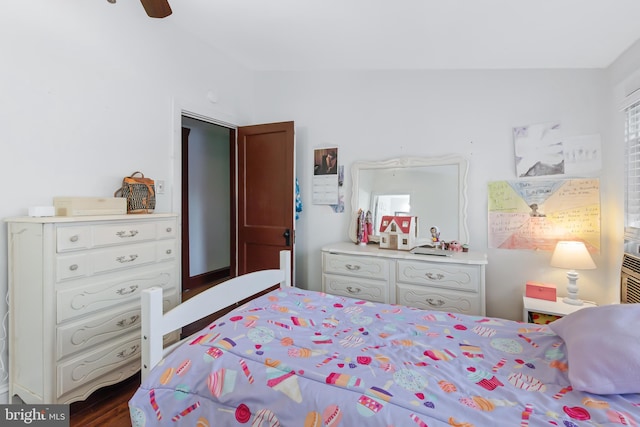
x=582, y=154
x=538, y=150
x=536, y=214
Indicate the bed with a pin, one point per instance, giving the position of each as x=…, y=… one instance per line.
x=294, y=357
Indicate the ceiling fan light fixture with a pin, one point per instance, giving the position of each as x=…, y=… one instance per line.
x=111, y=1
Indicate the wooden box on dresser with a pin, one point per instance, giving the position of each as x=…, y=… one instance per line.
x=74, y=299
x=454, y=283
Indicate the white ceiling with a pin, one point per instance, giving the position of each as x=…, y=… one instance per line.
x=414, y=34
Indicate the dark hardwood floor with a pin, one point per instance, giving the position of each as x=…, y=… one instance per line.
x=107, y=407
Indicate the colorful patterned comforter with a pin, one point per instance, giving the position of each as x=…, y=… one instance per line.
x=302, y=358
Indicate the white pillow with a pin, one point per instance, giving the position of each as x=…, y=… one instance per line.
x=603, y=348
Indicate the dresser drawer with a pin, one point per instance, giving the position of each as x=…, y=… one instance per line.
x=93, y=364
x=121, y=373
x=81, y=335
x=367, y=267
x=123, y=233
x=90, y=296
x=72, y=266
x=166, y=250
x=371, y=290
x=73, y=238
x=450, y=276
x=166, y=230
x=123, y=257
x=430, y=298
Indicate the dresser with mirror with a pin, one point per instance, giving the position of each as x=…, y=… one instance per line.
x=434, y=190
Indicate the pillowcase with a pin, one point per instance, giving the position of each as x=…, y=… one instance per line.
x=603, y=348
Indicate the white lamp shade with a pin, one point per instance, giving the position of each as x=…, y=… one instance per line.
x=572, y=255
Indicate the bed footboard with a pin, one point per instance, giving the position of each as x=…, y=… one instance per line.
x=155, y=324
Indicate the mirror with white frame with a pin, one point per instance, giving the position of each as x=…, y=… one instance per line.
x=434, y=189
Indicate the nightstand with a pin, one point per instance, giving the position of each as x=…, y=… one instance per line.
x=555, y=309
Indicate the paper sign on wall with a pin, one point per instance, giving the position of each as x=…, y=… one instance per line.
x=325, y=176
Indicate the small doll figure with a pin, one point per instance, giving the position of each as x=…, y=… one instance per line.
x=435, y=234
x=363, y=237
x=368, y=221
x=455, y=246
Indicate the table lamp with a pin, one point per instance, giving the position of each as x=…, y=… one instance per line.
x=573, y=256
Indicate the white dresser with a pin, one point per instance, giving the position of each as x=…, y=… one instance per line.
x=453, y=283
x=74, y=299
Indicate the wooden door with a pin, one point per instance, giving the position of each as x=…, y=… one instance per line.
x=266, y=198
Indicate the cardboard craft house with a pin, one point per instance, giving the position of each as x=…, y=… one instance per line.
x=398, y=232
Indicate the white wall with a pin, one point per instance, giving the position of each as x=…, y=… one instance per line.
x=375, y=115
x=88, y=95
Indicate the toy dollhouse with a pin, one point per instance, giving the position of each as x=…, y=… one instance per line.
x=398, y=232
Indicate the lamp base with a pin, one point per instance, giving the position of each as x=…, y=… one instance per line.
x=572, y=289
x=571, y=301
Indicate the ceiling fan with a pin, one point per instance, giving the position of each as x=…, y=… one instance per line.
x=154, y=8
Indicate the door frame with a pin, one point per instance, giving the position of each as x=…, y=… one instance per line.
x=205, y=114
x=189, y=282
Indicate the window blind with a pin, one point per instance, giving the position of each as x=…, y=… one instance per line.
x=632, y=185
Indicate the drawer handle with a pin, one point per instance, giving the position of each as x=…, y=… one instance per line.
x=168, y=251
x=353, y=290
x=74, y=238
x=126, y=353
x=124, y=234
x=124, y=259
x=125, y=291
x=438, y=276
x=435, y=303
x=169, y=229
x=73, y=267
x=128, y=322
x=352, y=267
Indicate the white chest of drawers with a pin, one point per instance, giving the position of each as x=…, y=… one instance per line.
x=454, y=283
x=74, y=299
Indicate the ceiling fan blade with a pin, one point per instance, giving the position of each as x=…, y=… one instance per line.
x=156, y=8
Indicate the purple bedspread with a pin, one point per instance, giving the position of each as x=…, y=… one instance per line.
x=302, y=358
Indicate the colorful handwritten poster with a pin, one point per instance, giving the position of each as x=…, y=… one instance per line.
x=536, y=214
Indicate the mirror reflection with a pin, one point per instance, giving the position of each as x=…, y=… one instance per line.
x=389, y=204
x=432, y=189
